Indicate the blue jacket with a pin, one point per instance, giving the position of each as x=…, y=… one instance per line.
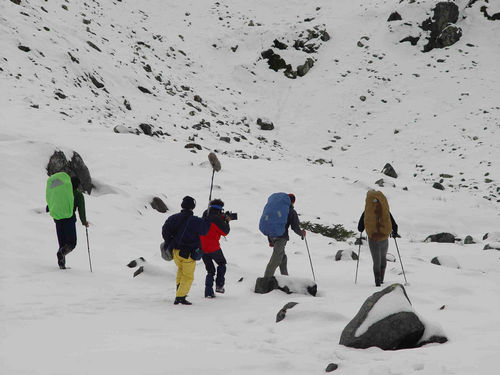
x=185, y=229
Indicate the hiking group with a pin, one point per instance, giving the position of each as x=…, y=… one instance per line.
x=188, y=238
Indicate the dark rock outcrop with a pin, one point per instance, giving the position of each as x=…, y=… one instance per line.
x=265, y=285
x=441, y=238
x=265, y=124
x=445, y=15
x=395, y=16
x=331, y=367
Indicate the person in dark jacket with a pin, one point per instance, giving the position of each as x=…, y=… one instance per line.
x=279, y=258
x=185, y=229
x=212, y=252
x=379, y=244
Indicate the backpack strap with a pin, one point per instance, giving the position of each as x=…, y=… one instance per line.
x=184, y=230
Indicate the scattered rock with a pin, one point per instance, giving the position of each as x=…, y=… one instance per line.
x=303, y=69
x=279, y=45
x=468, y=240
x=24, y=48
x=449, y=36
x=441, y=238
x=121, y=129
x=346, y=255
x=93, y=46
x=265, y=124
x=265, y=285
x=282, y=313
x=127, y=105
x=158, y=204
x=144, y=90
x=395, y=16
x=225, y=139
x=438, y=186
x=388, y=170
x=446, y=261
x=96, y=83
x=412, y=39
x=331, y=367
x=18, y=2
x=146, y=128
x=445, y=14
x=274, y=60
x=380, y=182
x=193, y=146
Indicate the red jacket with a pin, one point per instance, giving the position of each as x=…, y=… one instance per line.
x=218, y=228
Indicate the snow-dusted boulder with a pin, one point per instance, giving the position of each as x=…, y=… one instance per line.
x=387, y=320
x=286, y=284
x=446, y=261
x=346, y=255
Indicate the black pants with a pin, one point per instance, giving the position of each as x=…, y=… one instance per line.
x=209, y=259
x=66, y=234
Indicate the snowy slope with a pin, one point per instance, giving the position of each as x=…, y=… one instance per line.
x=446, y=117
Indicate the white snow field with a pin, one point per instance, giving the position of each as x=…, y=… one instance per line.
x=428, y=114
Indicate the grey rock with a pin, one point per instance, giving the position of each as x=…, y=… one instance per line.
x=438, y=186
x=282, y=313
x=74, y=167
x=144, y=90
x=265, y=124
x=445, y=14
x=396, y=331
x=303, y=69
x=158, y=204
x=435, y=260
x=24, y=48
x=265, y=285
x=449, y=36
x=380, y=182
x=93, y=46
x=193, y=145
x=442, y=237
x=395, y=16
x=146, y=128
x=57, y=163
x=18, y=2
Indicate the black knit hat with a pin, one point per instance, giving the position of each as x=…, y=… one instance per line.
x=188, y=203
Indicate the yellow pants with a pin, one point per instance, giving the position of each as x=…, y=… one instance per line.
x=185, y=273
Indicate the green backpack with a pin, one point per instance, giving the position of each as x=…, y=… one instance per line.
x=59, y=196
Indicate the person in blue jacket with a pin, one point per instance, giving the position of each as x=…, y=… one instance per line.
x=185, y=229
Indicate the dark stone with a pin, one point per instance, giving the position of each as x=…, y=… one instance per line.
x=438, y=186
x=380, y=182
x=60, y=95
x=18, y=2
x=144, y=90
x=388, y=170
x=147, y=68
x=96, y=83
x=267, y=54
x=159, y=205
x=282, y=313
x=303, y=69
x=265, y=125
x=468, y=240
x=400, y=330
x=494, y=17
x=93, y=46
x=225, y=139
x=331, y=367
x=193, y=145
x=73, y=58
x=265, y=285
x=395, y=16
x=325, y=37
x=441, y=238
x=435, y=260
x=276, y=63
x=24, y=48
x=412, y=39
x=127, y=105
x=57, y=163
x=146, y=128
x=491, y=247
x=312, y=290
x=433, y=340
x=198, y=99
x=134, y=263
x=279, y=45
x=352, y=254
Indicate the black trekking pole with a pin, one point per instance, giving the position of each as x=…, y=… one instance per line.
x=357, y=262
x=215, y=163
x=88, y=247
x=396, y=242
x=310, y=261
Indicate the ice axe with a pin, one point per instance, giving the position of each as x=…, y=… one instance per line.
x=216, y=167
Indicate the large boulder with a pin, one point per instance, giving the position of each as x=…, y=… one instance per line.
x=445, y=16
x=386, y=320
x=449, y=36
x=75, y=167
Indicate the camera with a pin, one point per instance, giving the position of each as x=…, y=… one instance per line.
x=231, y=215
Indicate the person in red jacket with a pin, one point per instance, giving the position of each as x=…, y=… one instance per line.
x=219, y=226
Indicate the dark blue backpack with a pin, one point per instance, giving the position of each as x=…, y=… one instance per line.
x=275, y=215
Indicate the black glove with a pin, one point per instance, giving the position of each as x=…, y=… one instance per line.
x=395, y=235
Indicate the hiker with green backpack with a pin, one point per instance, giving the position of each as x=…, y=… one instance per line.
x=379, y=224
x=63, y=199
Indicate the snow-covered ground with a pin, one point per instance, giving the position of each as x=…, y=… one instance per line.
x=430, y=118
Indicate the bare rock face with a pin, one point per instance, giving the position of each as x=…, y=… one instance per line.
x=75, y=168
x=442, y=26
